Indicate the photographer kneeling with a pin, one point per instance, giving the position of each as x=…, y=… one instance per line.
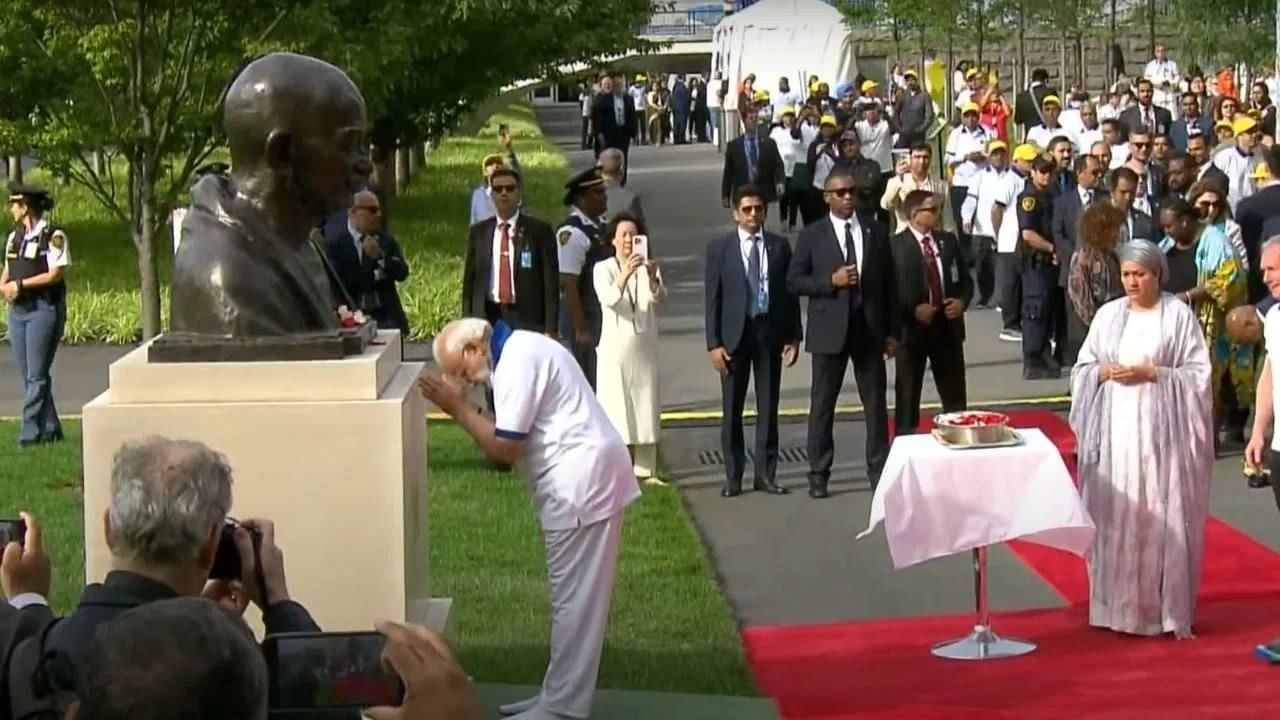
x=169, y=505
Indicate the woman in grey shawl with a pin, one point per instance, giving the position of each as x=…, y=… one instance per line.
x=1142, y=411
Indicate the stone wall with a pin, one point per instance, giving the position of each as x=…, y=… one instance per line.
x=876, y=50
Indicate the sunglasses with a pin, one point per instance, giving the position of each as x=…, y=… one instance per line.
x=1140, y=144
x=840, y=192
x=503, y=189
x=751, y=209
x=1208, y=204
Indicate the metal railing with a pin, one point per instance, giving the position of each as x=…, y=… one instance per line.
x=695, y=23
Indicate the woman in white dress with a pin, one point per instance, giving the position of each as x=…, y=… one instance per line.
x=629, y=286
x=1142, y=411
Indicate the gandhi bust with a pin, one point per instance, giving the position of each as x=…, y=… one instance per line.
x=246, y=267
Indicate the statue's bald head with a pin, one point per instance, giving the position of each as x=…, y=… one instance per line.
x=298, y=118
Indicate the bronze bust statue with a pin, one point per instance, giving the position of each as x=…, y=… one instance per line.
x=246, y=267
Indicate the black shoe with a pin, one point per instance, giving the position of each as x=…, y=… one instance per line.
x=500, y=467
x=769, y=487
x=1257, y=481
x=731, y=490
x=818, y=490
x=1040, y=373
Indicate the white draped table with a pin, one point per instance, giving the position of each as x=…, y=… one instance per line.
x=936, y=501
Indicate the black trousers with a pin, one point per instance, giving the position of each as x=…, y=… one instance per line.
x=828, y=377
x=1076, y=333
x=759, y=356
x=884, y=216
x=1060, y=325
x=812, y=206
x=789, y=204
x=1273, y=463
x=955, y=198
x=586, y=133
x=941, y=346
x=1009, y=275
x=985, y=267
x=1038, y=285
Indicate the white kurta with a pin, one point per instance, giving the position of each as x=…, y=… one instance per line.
x=627, y=353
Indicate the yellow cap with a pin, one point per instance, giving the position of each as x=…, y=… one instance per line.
x=869, y=85
x=970, y=73
x=1222, y=125
x=760, y=95
x=969, y=107
x=494, y=159
x=1261, y=172
x=813, y=86
x=1026, y=151
x=789, y=110
x=1243, y=124
x=828, y=120
x=1051, y=99
x=995, y=145
x=640, y=77
x=910, y=73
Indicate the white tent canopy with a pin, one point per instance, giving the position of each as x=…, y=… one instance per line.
x=773, y=39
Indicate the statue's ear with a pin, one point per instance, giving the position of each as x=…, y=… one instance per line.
x=279, y=154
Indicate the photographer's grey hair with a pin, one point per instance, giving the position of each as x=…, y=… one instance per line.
x=166, y=498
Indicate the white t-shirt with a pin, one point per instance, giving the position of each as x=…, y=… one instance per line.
x=877, y=143
x=984, y=189
x=1271, y=336
x=1007, y=233
x=576, y=464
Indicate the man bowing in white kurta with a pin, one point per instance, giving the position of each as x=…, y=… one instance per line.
x=547, y=421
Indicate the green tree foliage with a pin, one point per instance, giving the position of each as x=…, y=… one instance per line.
x=121, y=96
x=1225, y=31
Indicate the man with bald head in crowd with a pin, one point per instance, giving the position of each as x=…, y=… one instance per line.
x=619, y=199
x=369, y=263
x=296, y=127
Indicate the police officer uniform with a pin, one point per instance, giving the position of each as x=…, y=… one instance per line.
x=1039, y=280
x=580, y=248
x=37, y=310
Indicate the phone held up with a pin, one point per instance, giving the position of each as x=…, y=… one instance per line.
x=12, y=531
x=328, y=671
x=640, y=246
x=504, y=129
x=226, y=559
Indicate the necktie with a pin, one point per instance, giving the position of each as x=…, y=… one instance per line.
x=931, y=273
x=850, y=252
x=752, y=156
x=759, y=294
x=1147, y=120
x=506, y=293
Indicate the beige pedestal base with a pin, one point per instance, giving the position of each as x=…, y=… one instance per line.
x=334, y=452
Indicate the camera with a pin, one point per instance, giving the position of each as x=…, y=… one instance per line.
x=12, y=531
x=226, y=559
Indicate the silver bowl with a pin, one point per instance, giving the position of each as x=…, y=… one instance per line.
x=969, y=435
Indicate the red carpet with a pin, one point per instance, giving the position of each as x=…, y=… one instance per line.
x=882, y=669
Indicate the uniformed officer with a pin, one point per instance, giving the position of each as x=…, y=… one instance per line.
x=1039, y=269
x=581, y=247
x=35, y=260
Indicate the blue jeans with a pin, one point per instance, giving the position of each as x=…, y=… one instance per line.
x=35, y=329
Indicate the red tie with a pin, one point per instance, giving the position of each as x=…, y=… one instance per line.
x=506, y=293
x=931, y=271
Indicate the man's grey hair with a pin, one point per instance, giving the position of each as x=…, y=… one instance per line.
x=457, y=335
x=1147, y=254
x=166, y=497
x=181, y=658
x=1269, y=244
x=611, y=162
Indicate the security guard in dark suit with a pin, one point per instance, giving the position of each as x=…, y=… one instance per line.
x=35, y=259
x=581, y=247
x=1039, y=270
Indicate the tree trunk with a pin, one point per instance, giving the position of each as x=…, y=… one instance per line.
x=144, y=241
x=418, y=157
x=1020, y=62
x=403, y=173
x=1077, y=57
x=1063, y=84
x=982, y=29
x=383, y=180
x=949, y=92
x=15, y=168
x=99, y=162
x=1151, y=27
x=414, y=153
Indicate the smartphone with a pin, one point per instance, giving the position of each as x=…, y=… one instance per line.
x=329, y=670
x=640, y=246
x=12, y=531
x=226, y=558
x=503, y=129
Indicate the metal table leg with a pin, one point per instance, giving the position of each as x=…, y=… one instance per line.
x=982, y=643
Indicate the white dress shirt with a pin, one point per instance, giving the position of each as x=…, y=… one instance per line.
x=1007, y=234
x=839, y=225
x=961, y=143
x=1041, y=135
x=877, y=143
x=497, y=255
x=744, y=246
x=1087, y=139
x=983, y=191
x=937, y=258
x=1238, y=169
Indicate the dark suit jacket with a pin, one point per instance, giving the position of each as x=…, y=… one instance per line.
x=606, y=123
x=1178, y=131
x=913, y=283
x=1026, y=108
x=1144, y=228
x=1131, y=118
x=818, y=255
x=537, y=287
x=1066, y=211
x=360, y=275
x=1253, y=214
x=728, y=297
x=769, y=170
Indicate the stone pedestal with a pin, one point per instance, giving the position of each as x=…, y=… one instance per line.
x=333, y=451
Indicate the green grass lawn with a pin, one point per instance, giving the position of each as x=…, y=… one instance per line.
x=429, y=221
x=670, y=629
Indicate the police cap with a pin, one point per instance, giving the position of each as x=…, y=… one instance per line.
x=588, y=178
x=32, y=196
